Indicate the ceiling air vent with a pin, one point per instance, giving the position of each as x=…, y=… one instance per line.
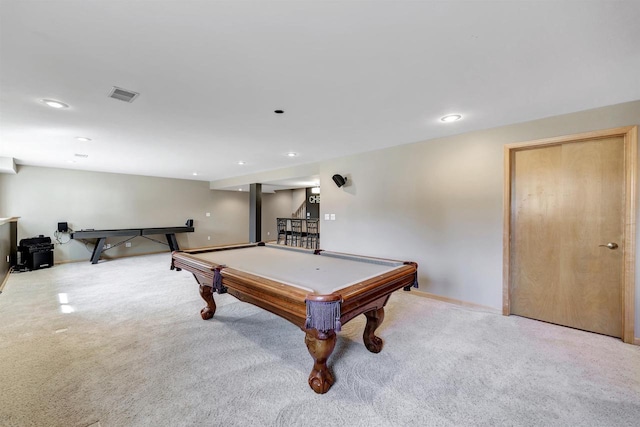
x=123, y=94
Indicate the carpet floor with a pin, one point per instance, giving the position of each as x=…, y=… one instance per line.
x=121, y=343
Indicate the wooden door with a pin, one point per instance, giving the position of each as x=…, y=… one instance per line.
x=567, y=201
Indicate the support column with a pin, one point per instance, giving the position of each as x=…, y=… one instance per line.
x=255, y=213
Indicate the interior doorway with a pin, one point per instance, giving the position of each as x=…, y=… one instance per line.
x=569, y=238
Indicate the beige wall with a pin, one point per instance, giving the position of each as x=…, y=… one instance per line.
x=274, y=205
x=298, y=197
x=42, y=197
x=439, y=203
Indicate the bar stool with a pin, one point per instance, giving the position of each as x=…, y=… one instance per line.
x=282, y=230
x=312, y=236
x=296, y=232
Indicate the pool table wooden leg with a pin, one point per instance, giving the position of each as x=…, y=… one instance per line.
x=374, y=319
x=320, y=346
x=206, y=292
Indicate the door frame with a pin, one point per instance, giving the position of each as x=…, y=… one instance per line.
x=630, y=136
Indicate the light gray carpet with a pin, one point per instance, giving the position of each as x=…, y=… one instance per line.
x=135, y=352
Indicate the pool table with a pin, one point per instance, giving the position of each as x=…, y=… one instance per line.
x=319, y=291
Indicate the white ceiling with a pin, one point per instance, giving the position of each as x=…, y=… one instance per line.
x=275, y=185
x=351, y=76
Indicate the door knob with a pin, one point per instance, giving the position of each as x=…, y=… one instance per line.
x=611, y=245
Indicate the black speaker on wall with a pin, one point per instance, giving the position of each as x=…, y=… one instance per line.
x=63, y=227
x=339, y=180
x=189, y=223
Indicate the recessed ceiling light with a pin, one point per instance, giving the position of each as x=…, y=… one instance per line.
x=292, y=154
x=195, y=174
x=451, y=118
x=54, y=104
x=240, y=162
x=278, y=111
x=83, y=139
x=239, y=189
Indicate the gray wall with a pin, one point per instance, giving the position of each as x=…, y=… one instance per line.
x=439, y=203
x=42, y=197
